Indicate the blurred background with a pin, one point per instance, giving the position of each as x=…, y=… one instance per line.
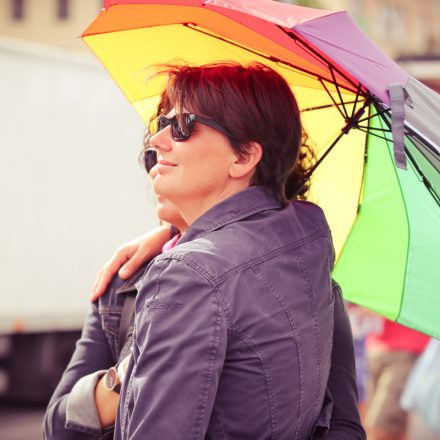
x=72, y=189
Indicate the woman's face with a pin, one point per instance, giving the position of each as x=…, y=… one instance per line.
x=195, y=171
x=166, y=211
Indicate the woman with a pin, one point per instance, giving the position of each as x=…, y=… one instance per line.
x=83, y=408
x=76, y=411
x=345, y=420
x=233, y=327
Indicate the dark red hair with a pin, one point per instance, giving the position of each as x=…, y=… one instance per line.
x=255, y=104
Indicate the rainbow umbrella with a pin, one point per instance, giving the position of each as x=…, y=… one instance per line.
x=373, y=127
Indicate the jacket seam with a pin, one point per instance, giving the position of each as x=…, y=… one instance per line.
x=110, y=309
x=215, y=281
x=213, y=350
x=242, y=214
x=297, y=339
x=318, y=347
x=124, y=405
x=270, y=255
x=235, y=333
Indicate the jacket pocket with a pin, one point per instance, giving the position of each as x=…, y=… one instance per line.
x=111, y=318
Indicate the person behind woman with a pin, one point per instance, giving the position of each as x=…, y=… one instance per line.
x=233, y=327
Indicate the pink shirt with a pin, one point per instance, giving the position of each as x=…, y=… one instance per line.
x=171, y=243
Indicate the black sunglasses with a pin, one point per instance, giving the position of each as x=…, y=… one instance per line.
x=182, y=125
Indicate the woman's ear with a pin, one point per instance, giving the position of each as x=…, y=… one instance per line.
x=244, y=165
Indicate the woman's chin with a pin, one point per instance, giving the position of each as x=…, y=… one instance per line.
x=162, y=187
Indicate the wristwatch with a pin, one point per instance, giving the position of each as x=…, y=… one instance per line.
x=111, y=380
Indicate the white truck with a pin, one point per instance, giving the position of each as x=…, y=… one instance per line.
x=71, y=191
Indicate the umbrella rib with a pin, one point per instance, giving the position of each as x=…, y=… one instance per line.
x=367, y=130
x=272, y=58
x=318, y=162
x=382, y=112
x=356, y=100
x=374, y=128
x=351, y=123
x=294, y=36
x=361, y=189
x=322, y=107
x=339, y=92
x=423, y=178
x=333, y=99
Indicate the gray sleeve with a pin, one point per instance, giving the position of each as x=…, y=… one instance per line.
x=345, y=422
x=178, y=320
x=81, y=407
x=92, y=354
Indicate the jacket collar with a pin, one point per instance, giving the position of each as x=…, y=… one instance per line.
x=237, y=207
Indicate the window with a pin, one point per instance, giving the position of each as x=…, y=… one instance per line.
x=17, y=7
x=63, y=9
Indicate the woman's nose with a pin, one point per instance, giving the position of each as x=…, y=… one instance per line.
x=162, y=139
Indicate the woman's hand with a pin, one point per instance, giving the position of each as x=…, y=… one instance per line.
x=106, y=401
x=130, y=257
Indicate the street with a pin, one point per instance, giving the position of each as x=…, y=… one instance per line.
x=21, y=422
x=25, y=423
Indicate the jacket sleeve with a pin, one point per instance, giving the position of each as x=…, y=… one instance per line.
x=345, y=422
x=178, y=355
x=71, y=413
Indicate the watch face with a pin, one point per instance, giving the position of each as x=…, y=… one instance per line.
x=111, y=378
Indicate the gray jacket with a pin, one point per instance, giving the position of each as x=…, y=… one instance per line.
x=233, y=328
x=71, y=413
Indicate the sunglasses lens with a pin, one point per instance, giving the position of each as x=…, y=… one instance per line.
x=150, y=159
x=182, y=129
x=163, y=122
x=182, y=126
x=158, y=124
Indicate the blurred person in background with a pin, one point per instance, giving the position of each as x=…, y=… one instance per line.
x=363, y=323
x=85, y=402
x=392, y=351
x=421, y=395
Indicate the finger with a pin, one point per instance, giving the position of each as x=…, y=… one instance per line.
x=96, y=283
x=134, y=264
x=107, y=273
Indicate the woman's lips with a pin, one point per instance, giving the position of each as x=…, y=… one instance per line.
x=166, y=163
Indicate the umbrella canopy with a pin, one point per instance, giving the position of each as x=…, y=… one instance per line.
x=372, y=126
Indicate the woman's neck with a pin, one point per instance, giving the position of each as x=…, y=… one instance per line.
x=194, y=207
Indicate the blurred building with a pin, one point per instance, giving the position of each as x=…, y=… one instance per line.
x=53, y=22
x=408, y=31
x=400, y=27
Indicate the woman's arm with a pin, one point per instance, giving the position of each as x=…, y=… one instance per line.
x=130, y=257
x=177, y=357
x=106, y=400
x=345, y=422
x=72, y=413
